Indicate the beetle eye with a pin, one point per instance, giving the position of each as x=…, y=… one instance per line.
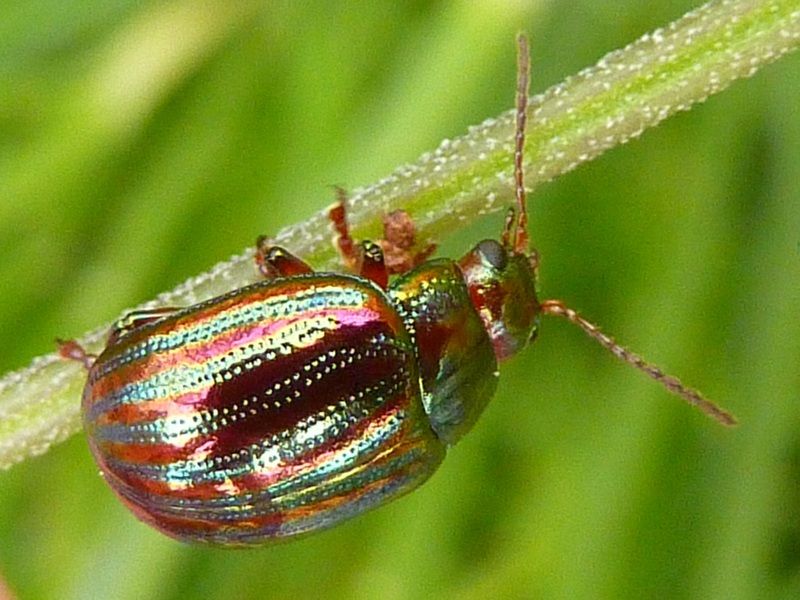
x=493, y=253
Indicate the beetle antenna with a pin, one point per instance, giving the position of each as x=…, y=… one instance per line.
x=523, y=77
x=670, y=383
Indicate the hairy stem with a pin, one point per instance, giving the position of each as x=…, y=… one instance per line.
x=627, y=91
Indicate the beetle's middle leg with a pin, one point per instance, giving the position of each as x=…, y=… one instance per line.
x=398, y=243
x=275, y=261
x=365, y=259
x=397, y=246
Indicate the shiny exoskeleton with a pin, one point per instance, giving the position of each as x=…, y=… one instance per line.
x=295, y=403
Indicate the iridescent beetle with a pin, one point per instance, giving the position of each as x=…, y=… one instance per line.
x=290, y=405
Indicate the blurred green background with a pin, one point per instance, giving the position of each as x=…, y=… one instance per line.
x=141, y=142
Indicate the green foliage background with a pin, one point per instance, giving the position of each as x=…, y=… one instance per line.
x=583, y=479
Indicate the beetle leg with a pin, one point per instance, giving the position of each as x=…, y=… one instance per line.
x=367, y=258
x=372, y=265
x=137, y=318
x=275, y=261
x=399, y=239
x=337, y=213
x=72, y=350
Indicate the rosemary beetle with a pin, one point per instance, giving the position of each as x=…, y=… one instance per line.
x=290, y=405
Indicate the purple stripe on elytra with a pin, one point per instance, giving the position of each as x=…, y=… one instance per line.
x=253, y=399
x=345, y=412
x=199, y=371
x=200, y=331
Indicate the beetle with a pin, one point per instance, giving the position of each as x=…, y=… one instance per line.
x=287, y=406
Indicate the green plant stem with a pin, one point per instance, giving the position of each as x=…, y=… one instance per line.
x=626, y=92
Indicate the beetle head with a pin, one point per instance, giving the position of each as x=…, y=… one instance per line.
x=502, y=287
